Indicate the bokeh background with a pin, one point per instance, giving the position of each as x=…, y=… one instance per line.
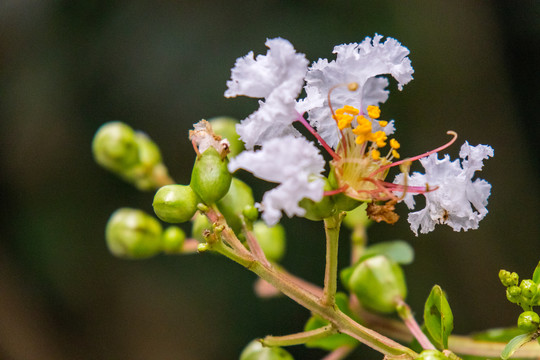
x=66, y=67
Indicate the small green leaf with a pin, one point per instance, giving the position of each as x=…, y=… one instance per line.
x=438, y=317
x=536, y=275
x=516, y=343
x=397, y=250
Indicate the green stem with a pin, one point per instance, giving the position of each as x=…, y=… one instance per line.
x=331, y=228
x=299, y=338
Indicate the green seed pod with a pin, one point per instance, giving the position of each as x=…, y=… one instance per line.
x=200, y=223
x=175, y=203
x=256, y=351
x=528, y=289
x=115, y=147
x=431, y=355
x=528, y=321
x=271, y=239
x=210, y=178
x=173, y=239
x=378, y=282
x=234, y=202
x=226, y=128
x=317, y=211
x=133, y=234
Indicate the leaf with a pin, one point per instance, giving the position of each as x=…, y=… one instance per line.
x=438, y=317
x=536, y=275
x=498, y=334
x=516, y=343
x=397, y=250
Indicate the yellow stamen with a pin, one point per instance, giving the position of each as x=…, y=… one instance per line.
x=373, y=111
x=375, y=154
x=344, y=120
x=383, y=123
x=351, y=110
x=379, y=138
x=394, y=144
x=395, y=154
x=364, y=126
x=352, y=86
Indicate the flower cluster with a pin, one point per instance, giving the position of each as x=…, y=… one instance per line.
x=342, y=103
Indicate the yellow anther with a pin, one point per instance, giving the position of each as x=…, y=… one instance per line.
x=352, y=86
x=395, y=154
x=375, y=154
x=394, y=144
x=344, y=120
x=373, y=111
x=360, y=139
x=383, y=123
x=351, y=110
x=379, y=138
x=363, y=128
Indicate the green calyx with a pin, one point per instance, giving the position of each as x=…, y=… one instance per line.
x=175, y=203
x=133, y=234
x=210, y=178
x=321, y=210
x=378, y=283
x=256, y=351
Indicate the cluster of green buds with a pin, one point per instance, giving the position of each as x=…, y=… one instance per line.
x=134, y=234
x=130, y=154
x=526, y=295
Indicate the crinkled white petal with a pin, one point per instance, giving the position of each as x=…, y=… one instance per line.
x=292, y=162
x=457, y=201
x=360, y=63
x=281, y=68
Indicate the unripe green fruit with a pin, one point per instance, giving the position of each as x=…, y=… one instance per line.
x=199, y=224
x=256, y=351
x=431, y=355
x=271, y=240
x=173, y=239
x=210, y=178
x=378, y=282
x=134, y=234
x=115, y=147
x=319, y=210
x=226, y=127
x=528, y=321
x=234, y=202
x=149, y=153
x=175, y=203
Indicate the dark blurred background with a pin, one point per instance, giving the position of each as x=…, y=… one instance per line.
x=66, y=67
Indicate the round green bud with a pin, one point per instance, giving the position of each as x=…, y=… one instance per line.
x=528, y=321
x=271, y=239
x=431, y=355
x=250, y=212
x=175, y=203
x=210, y=178
x=149, y=153
x=115, y=147
x=226, y=128
x=319, y=210
x=256, y=351
x=232, y=205
x=133, y=234
x=528, y=289
x=200, y=224
x=173, y=239
x=513, y=294
x=378, y=282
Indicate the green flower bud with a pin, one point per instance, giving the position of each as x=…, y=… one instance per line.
x=173, y=240
x=528, y=289
x=134, y=234
x=115, y=147
x=175, y=203
x=513, y=294
x=504, y=276
x=234, y=202
x=199, y=224
x=319, y=210
x=528, y=321
x=431, y=355
x=210, y=178
x=256, y=351
x=250, y=212
x=271, y=239
x=378, y=282
x=226, y=128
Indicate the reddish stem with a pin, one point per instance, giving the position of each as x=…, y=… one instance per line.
x=303, y=121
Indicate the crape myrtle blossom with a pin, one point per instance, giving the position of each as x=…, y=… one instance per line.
x=342, y=103
x=457, y=200
x=292, y=162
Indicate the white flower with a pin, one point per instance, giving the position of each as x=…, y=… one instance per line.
x=278, y=77
x=295, y=163
x=359, y=63
x=457, y=200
